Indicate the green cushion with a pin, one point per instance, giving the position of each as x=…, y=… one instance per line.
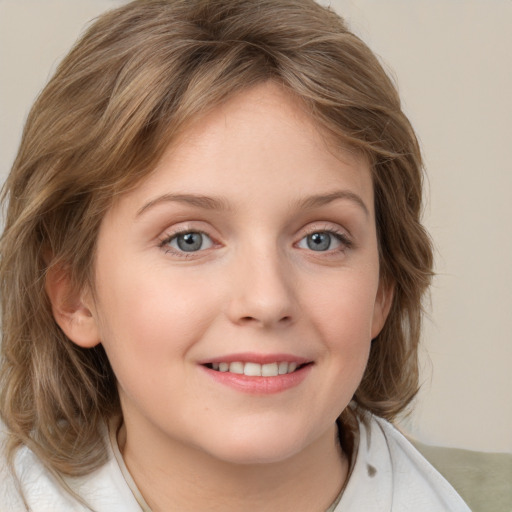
x=484, y=480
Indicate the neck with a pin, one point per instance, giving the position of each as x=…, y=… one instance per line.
x=186, y=479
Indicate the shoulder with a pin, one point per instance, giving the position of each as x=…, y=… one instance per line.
x=415, y=477
x=33, y=487
x=9, y=496
x=399, y=477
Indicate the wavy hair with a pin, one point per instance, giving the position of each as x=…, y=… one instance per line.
x=128, y=87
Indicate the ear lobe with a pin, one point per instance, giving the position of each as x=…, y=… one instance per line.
x=383, y=302
x=70, y=309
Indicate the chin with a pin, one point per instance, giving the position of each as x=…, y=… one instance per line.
x=258, y=447
x=249, y=456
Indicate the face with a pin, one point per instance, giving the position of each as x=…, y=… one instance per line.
x=237, y=288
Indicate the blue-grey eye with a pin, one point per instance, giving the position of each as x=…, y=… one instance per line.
x=320, y=241
x=190, y=242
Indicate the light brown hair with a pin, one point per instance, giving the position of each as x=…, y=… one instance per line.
x=126, y=89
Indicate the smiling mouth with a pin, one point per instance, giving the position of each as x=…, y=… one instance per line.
x=257, y=370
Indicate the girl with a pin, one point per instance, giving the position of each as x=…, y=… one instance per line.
x=212, y=271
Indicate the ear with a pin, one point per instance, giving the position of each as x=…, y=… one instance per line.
x=382, y=306
x=72, y=310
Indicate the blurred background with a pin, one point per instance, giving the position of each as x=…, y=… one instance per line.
x=452, y=62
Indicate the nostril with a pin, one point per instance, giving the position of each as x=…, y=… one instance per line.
x=248, y=319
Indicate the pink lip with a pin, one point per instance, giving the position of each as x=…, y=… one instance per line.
x=250, y=357
x=259, y=385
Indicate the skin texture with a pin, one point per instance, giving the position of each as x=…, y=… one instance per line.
x=255, y=286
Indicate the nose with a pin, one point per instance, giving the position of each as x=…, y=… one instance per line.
x=262, y=290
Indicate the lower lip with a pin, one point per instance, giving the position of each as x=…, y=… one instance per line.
x=260, y=385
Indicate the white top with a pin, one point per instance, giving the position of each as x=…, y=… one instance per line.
x=388, y=475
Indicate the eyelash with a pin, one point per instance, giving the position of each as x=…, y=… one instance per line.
x=345, y=241
x=341, y=236
x=163, y=244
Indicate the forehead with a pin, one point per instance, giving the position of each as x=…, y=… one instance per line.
x=261, y=142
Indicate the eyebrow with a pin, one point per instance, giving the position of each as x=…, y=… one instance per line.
x=199, y=201
x=217, y=203
x=323, y=199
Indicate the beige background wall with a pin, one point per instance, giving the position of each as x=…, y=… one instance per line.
x=452, y=60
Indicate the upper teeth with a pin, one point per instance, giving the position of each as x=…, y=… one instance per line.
x=256, y=369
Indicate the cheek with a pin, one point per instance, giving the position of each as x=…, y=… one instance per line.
x=152, y=314
x=344, y=303
x=341, y=312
